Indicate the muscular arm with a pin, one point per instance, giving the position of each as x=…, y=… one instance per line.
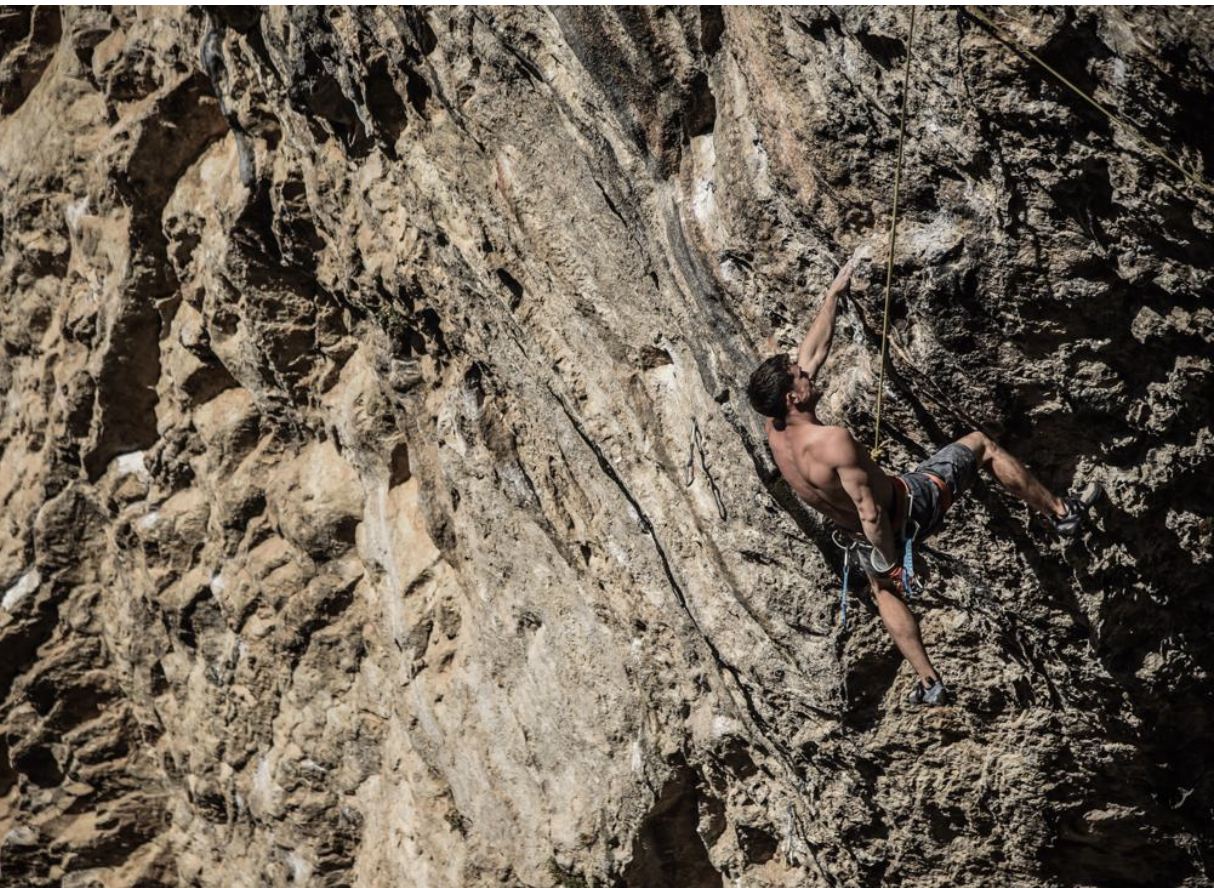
x=856, y=470
x=816, y=345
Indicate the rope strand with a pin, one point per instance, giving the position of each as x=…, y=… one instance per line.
x=893, y=227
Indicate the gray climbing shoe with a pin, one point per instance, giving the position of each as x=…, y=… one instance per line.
x=934, y=694
x=1077, y=509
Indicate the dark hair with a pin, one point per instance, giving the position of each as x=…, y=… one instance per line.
x=769, y=386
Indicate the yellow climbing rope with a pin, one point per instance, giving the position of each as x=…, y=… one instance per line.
x=893, y=227
x=1011, y=41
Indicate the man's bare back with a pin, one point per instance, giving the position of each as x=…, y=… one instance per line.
x=810, y=458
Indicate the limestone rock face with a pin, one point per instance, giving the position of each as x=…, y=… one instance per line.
x=382, y=506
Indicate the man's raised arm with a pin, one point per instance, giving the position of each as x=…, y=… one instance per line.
x=816, y=345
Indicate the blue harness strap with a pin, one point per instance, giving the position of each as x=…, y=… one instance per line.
x=909, y=582
x=908, y=567
x=847, y=548
x=846, y=577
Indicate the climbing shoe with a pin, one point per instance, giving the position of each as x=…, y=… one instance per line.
x=933, y=694
x=1077, y=509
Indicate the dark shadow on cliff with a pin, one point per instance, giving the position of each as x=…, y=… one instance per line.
x=668, y=851
x=1161, y=764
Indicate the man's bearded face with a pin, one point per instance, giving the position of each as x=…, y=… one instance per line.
x=804, y=394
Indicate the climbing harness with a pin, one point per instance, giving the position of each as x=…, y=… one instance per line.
x=893, y=228
x=1133, y=131
x=856, y=549
x=907, y=532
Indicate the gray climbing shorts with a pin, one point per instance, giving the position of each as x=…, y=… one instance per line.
x=935, y=483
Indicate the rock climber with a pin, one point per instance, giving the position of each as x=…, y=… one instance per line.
x=831, y=472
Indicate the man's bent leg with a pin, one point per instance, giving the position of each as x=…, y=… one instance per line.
x=1013, y=476
x=904, y=629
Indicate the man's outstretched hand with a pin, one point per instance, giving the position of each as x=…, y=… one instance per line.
x=839, y=284
x=816, y=345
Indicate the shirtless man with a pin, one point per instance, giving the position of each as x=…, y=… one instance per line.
x=835, y=475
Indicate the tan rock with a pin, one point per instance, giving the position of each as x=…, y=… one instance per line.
x=380, y=505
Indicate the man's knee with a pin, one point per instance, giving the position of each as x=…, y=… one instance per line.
x=982, y=445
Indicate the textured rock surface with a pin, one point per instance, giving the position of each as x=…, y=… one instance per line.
x=353, y=362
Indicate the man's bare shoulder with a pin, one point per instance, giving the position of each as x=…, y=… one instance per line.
x=834, y=445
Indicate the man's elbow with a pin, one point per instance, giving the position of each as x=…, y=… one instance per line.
x=811, y=361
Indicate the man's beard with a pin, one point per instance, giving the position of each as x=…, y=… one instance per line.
x=810, y=401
